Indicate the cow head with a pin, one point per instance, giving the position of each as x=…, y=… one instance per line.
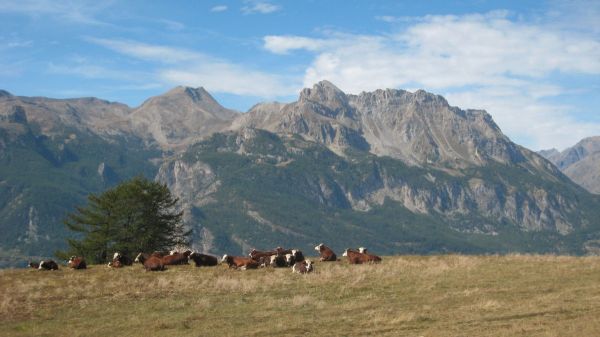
x=288, y=258
x=172, y=252
x=362, y=250
x=137, y=258
x=252, y=252
x=318, y=248
x=224, y=259
x=309, y=265
x=116, y=255
x=345, y=252
x=41, y=264
x=294, y=251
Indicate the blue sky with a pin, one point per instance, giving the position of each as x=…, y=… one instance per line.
x=534, y=65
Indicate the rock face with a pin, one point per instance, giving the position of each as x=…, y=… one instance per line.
x=580, y=162
x=180, y=117
x=394, y=170
x=418, y=128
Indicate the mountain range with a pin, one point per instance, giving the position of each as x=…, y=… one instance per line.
x=580, y=162
x=396, y=171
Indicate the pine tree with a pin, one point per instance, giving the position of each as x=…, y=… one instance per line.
x=136, y=216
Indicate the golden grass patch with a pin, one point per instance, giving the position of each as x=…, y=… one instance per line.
x=449, y=295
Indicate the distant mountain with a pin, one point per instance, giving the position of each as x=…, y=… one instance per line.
x=394, y=170
x=179, y=117
x=580, y=162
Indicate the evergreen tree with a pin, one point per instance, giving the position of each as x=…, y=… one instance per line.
x=136, y=216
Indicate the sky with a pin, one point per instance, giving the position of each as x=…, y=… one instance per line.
x=533, y=65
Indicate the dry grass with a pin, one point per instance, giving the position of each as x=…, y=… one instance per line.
x=453, y=295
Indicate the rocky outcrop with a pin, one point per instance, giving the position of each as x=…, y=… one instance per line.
x=419, y=128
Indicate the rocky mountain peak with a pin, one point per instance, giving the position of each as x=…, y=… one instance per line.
x=180, y=116
x=327, y=96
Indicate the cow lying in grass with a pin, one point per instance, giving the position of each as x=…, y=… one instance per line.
x=119, y=260
x=176, y=258
x=355, y=257
x=239, y=262
x=77, y=262
x=326, y=253
x=303, y=267
x=203, y=260
x=48, y=265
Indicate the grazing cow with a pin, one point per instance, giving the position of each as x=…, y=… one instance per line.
x=278, y=261
x=203, y=259
x=326, y=253
x=48, y=265
x=176, y=258
x=153, y=263
x=123, y=259
x=240, y=262
x=34, y=265
x=77, y=262
x=354, y=257
x=303, y=267
x=256, y=255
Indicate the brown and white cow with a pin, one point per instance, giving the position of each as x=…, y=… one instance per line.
x=303, y=267
x=298, y=256
x=282, y=251
x=123, y=259
x=355, y=257
x=48, y=265
x=176, y=258
x=203, y=259
x=257, y=255
x=279, y=261
x=77, y=262
x=153, y=263
x=326, y=253
x=240, y=262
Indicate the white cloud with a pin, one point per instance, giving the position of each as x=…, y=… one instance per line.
x=178, y=66
x=148, y=51
x=285, y=44
x=261, y=7
x=219, y=8
x=172, y=25
x=484, y=61
x=77, y=11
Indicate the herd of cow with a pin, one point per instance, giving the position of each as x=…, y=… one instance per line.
x=277, y=258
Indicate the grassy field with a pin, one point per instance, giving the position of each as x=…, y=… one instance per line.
x=449, y=295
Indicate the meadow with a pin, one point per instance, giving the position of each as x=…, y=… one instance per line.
x=445, y=295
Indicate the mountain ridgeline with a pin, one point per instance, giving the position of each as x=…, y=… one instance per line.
x=396, y=171
x=580, y=162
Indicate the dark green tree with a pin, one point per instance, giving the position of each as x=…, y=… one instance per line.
x=138, y=215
